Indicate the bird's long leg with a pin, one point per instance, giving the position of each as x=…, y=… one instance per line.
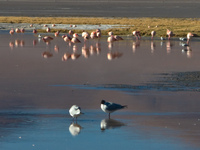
x=109, y=116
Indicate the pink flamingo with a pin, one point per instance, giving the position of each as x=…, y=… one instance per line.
x=12, y=31
x=110, y=33
x=22, y=30
x=153, y=33
x=57, y=33
x=66, y=38
x=85, y=35
x=111, y=39
x=48, y=29
x=98, y=33
x=189, y=35
x=93, y=35
x=17, y=30
x=118, y=38
x=71, y=32
x=34, y=31
x=47, y=39
x=75, y=38
x=137, y=34
x=169, y=34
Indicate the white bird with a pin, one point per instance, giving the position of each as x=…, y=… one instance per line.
x=75, y=111
x=110, y=107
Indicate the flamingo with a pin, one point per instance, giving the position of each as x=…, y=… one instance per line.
x=12, y=31
x=98, y=33
x=22, y=30
x=93, y=35
x=118, y=38
x=17, y=30
x=56, y=33
x=75, y=38
x=169, y=34
x=110, y=33
x=153, y=33
x=66, y=38
x=47, y=38
x=85, y=35
x=48, y=29
x=189, y=35
x=71, y=32
x=111, y=39
x=137, y=34
x=34, y=31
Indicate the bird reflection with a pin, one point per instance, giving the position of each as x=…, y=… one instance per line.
x=47, y=54
x=110, y=124
x=73, y=56
x=85, y=51
x=168, y=46
x=136, y=44
x=75, y=129
x=153, y=45
x=188, y=51
x=11, y=45
x=113, y=55
x=110, y=46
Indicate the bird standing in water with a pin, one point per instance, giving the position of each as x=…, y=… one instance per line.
x=75, y=111
x=110, y=107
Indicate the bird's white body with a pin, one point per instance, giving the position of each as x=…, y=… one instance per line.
x=75, y=111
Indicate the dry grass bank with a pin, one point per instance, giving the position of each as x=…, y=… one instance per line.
x=179, y=26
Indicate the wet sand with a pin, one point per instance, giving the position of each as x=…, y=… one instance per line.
x=94, y=8
x=36, y=93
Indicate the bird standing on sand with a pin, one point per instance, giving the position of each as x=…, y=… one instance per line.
x=75, y=111
x=110, y=107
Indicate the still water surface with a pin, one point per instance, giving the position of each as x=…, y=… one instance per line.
x=38, y=87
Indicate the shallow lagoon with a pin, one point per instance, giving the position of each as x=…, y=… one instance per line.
x=38, y=87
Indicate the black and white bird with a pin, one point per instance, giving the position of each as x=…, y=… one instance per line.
x=75, y=111
x=110, y=107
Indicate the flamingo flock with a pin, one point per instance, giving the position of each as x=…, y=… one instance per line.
x=72, y=37
x=97, y=34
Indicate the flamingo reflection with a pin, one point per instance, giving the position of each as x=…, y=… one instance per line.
x=110, y=124
x=152, y=46
x=75, y=129
x=85, y=51
x=11, y=45
x=47, y=54
x=188, y=51
x=136, y=44
x=168, y=46
x=113, y=55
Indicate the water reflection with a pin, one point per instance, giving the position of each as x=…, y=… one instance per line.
x=188, y=51
x=47, y=54
x=92, y=47
x=136, y=44
x=113, y=55
x=110, y=124
x=168, y=46
x=153, y=45
x=75, y=129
